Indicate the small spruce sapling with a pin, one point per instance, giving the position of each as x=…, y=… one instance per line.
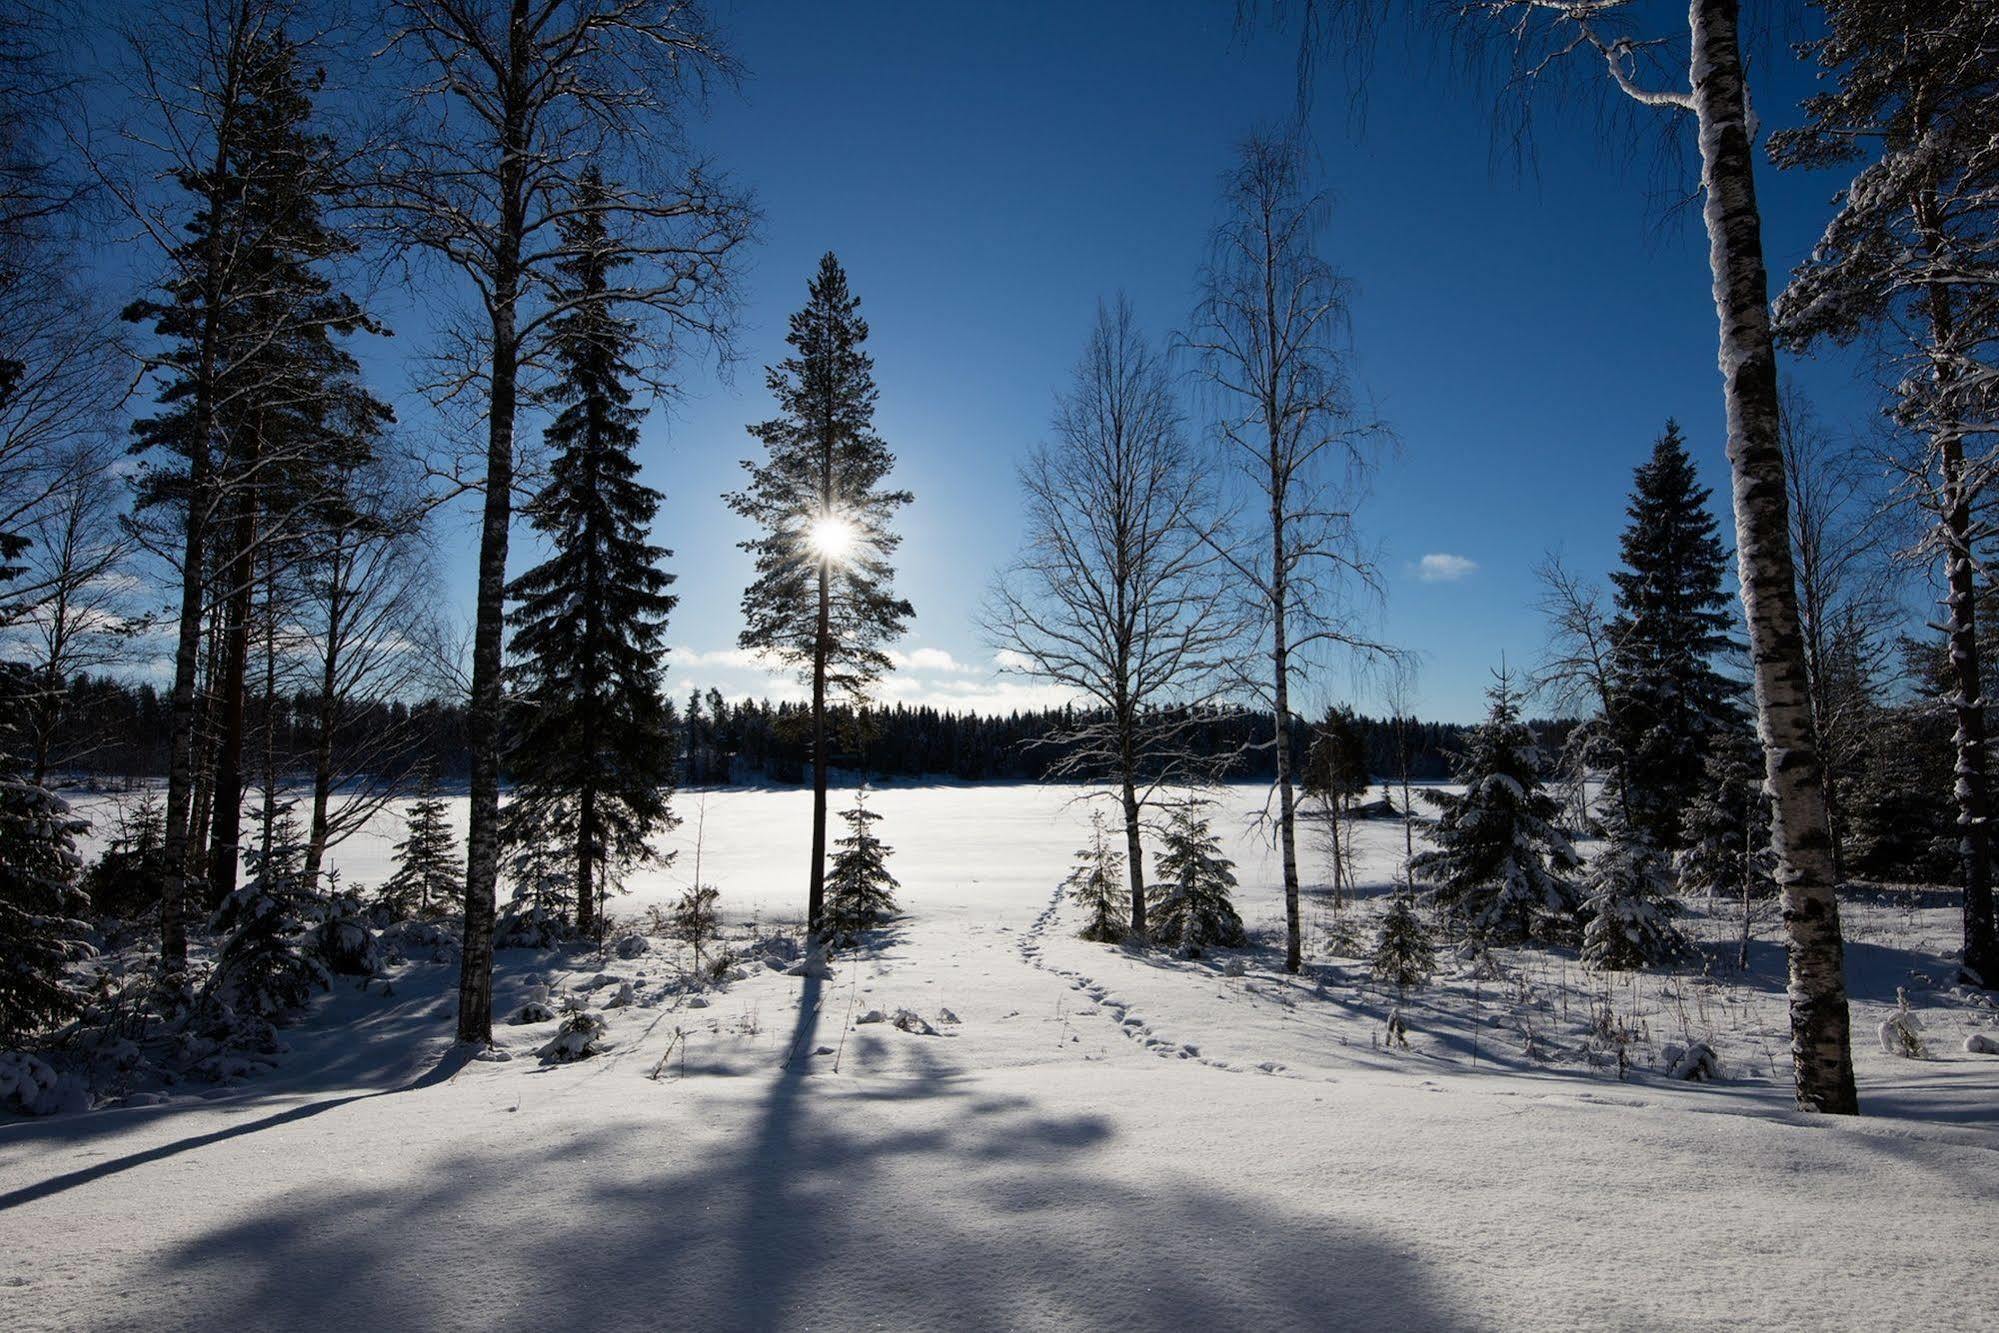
x=261, y=971
x=860, y=893
x=1096, y=884
x=428, y=869
x=1403, y=953
x=694, y=920
x=1192, y=907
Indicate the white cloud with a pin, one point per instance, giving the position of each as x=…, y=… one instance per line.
x=928, y=659
x=1443, y=567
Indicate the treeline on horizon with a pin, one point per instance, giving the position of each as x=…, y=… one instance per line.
x=119, y=729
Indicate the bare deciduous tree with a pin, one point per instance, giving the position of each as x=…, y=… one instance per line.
x=510, y=101
x=1115, y=598
x=1271, y=337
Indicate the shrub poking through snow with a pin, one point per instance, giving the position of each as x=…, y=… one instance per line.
x=577, y=1038
x=428, y=869
x=1403, y=954
x=1628, y=904
x=1901, y=1032
x=1499, y=864
x=860, y=893
x=262, y=971
x=1695, y=1062
x=1096, y=884
x=343, y=939
x=40, y=934
x=1192, y=908
x=694, y=920
x=534, y=1009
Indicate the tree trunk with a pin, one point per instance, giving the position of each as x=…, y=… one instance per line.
x=815, y=892
x=482, y=856
x=1280, y=660
x=226, y=819
x=1821, y=1050
x=1135, y=848
x=586, y=887
x=328, y=714
x=1981, y=951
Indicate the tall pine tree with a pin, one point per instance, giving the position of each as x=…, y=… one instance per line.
x=593, y=748
x=823, y=597
x=1667, y=701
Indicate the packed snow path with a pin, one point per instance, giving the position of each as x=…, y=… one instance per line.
x=1092, y=1139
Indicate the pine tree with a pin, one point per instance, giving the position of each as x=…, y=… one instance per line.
x=1096, y=884
x=1628, y=903
x=1667, y=701
x=1192, y=907
x=1403, y=953
x=1499, y=864
x=592, y=747
x=823, y=598
x=860, y=893
x=428, y=869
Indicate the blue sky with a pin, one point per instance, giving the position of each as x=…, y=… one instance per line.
x=986, y=173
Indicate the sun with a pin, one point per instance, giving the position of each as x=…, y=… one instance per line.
x=833, y=537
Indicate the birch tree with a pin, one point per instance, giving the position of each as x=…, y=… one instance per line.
x=1115, y=597
x=1270, y=339
x=510, y=100
x=1538, y=40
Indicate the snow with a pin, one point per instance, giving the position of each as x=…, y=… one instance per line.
x=1085, y=1137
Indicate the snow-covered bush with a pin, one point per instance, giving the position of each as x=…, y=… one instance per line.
x=1499, y=864
x=1981, y=1043
x=1901, y=1033
x=1096, y=884
x=344, y=940
x=577, y=1038
x=31, y=1086
x=1403, y=954
x=694, y=920
x=1192, y=907
x=1628, y=904
x=1695, y=1062
x=534, y=1009
x=860, y=893
x=529, y=926
x=263, y=970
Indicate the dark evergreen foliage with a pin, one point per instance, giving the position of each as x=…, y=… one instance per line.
x=1499, y=865
x=1403, y=952
x=1192, y=905
x=592, y=749
x=1667, y=700
x=429, y=870
x=1096, y=884
x=860, y=892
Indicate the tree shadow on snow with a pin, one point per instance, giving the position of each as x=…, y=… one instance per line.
x=918, y=1201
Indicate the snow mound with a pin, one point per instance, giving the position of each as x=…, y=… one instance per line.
x=1981, y=1043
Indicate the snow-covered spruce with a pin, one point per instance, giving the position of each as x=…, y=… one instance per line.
x=1628, y=904
x=1403, y=953
x=1901, y=1033
x=1498, y=863
x=344, y=940
x=1096, y=885
x=577, y=1038
x=263, y=971
x=694, y=920
x=428, y=866
x=40, y=933
x=1192, y=907
x=860, y=892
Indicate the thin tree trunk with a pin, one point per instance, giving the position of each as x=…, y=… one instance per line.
x=815, y=893
x=328, y=714
x=1821, y=1049
x=1280, y=660
x=1134, y=847
x=586, y=886
x=1981, y=951
x=226, y=826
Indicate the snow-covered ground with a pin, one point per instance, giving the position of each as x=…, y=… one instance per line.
x=1093, y=1137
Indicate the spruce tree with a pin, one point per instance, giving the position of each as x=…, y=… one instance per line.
x=592, y=749
x=1096, y=884
x=263, y=973
x=1403, y=953
x=860, y=893
x=428, y=870
x=1666, y=700
x=40, y=933
x=823, y=598
x=1725, y=833
x=1628, y=904
x=1192, y=906
x=1499, y=863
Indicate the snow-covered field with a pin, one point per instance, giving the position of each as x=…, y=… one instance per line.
x=1092, y=1137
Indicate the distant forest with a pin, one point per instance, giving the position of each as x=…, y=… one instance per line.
x=111, y=728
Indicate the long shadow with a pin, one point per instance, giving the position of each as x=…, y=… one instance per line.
x=452, y=1061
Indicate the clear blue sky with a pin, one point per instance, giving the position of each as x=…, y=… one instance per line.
x=987, y=172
